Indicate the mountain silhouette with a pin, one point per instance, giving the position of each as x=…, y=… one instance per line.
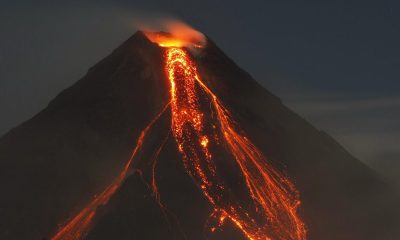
x=54, y=163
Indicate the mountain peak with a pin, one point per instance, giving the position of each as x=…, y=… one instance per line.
x=78, y=145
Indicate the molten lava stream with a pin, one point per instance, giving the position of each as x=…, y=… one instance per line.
x=275, y=200
x=274, y=196
x=77, y=227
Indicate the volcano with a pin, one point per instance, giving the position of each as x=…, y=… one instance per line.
x=163, y=141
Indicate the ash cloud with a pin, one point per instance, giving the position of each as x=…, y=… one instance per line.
x=178, y=29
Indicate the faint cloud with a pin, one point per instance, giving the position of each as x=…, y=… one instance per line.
x=326, y=106
x=368, y=127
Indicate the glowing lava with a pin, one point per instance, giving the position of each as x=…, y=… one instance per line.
x=77, y=227
x=273, y=214
x=265, y=207
x=178, y=34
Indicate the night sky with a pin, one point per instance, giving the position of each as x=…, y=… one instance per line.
x=335, y=63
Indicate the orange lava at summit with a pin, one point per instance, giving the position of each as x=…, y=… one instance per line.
x=264, y=207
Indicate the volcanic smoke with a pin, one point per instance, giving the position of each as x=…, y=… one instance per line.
x=200, y=125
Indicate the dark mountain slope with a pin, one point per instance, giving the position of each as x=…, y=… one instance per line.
x=51, y=165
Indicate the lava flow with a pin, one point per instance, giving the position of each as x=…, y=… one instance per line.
x=275, y=199
x=77, y=227
x=266, y=205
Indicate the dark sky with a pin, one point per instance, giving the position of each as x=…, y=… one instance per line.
x=336, y=63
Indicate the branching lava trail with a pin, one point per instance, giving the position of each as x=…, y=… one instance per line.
x=275, y=199
x=77, y=227
x=265, y=207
